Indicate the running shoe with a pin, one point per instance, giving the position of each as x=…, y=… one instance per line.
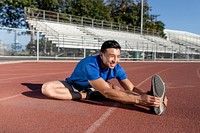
x=92, y=94
x=158, y=90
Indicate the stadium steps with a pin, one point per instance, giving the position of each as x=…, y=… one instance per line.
x=88, y=32
x=73, y=36
x=64, y=35
x=162, y=43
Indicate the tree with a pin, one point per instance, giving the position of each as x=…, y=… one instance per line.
x=121, y=11
x=12, y=13
x=124, y=12
x=51, y=5
x=128, y=12
x=95, y=9
x=65, y=6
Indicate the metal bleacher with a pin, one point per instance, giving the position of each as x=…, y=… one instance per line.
x=184, y=39
x=74, y=36
x=65, y=35
x=78, y=34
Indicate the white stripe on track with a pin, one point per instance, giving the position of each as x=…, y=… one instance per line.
x=30, y=76
x=198, y=72
x=14, y=96
x=98, y=123
x=106, y=114
x=7, y=98
x=7, y=79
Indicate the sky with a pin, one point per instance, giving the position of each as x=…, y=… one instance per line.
x=182, y=15
x=8, y=39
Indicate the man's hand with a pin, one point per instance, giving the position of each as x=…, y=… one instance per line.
x=165, y=101
x=148, y=100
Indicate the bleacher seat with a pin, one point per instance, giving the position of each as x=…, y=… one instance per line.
x=74, y=36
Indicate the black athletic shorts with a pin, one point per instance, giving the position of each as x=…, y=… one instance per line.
x=74, y=86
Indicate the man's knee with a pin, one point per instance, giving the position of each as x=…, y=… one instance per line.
x=47, y=89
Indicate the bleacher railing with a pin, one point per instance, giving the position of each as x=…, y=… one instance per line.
x=33, y=13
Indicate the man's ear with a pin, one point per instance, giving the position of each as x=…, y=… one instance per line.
x=101, y=55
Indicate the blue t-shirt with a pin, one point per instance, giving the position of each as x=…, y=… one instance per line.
x=89, y=69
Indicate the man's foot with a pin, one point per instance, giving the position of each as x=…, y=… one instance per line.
x=158, y=90
x=94, y=95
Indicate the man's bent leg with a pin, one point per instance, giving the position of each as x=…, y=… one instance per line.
x=58, y=90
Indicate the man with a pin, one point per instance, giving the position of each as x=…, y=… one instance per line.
x=95, y=72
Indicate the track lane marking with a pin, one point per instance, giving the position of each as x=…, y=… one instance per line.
x=30, y=76
x=10, y=97
x=106, y=114
x=198, y=72
x=14, y=96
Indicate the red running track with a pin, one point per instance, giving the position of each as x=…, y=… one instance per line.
x=24, y=109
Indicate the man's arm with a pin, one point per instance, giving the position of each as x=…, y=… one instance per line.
x=105, y=89
x=144, y=99
x=128, y=85
x=122, y=96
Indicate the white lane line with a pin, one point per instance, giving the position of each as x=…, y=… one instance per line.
x=106, y=114
x=7, y=98
x=98, y=123
x=198, y=72
x=10, y=97
x=103, y=117
x=14, y=96
x=30, y=76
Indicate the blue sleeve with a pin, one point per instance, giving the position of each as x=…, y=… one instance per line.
x=121, y=74
x=91, y=71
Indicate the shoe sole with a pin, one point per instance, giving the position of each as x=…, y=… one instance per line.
x=158, y=87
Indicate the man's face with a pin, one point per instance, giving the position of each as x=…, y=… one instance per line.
x=110, y=58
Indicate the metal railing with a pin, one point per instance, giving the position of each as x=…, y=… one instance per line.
x=33, y=13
